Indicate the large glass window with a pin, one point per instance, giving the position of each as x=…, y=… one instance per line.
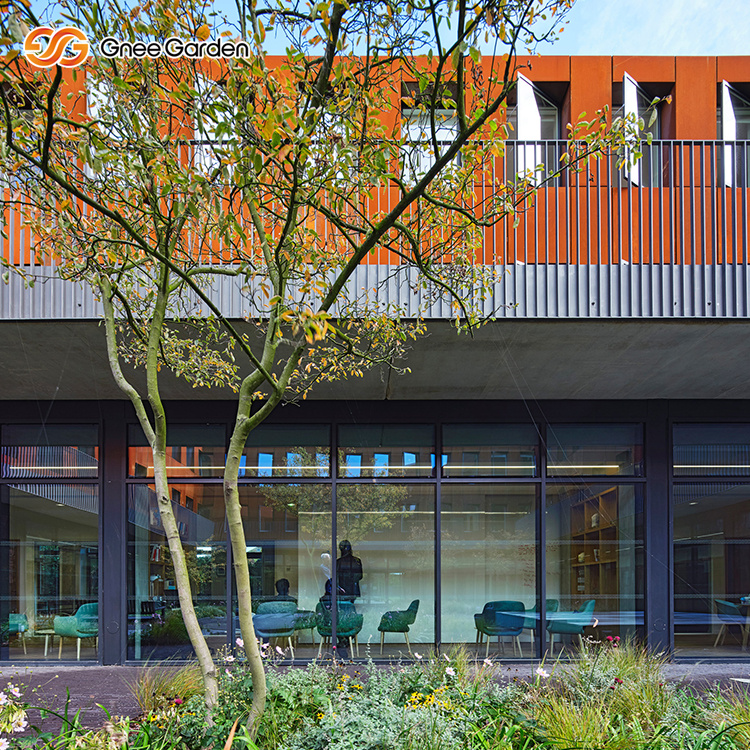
x=711, y=569
x=489, y=553
x=590, y=450
x=288, y=536
x=386, y=451
x=49, y=571
x=287, y=451
x=594, y=561
x=711, y=450
x=488, y=450
x=192, y=451
x=386, y=564
x=155, y=626
x=50, y=451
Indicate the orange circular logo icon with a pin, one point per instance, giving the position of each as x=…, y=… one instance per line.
x=67, y=47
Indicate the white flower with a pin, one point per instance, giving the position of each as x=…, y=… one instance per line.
x=279, y=651
x=3, y=699
x=229, y=674
x=19, y=725
x=542, y=672
x=417, y=656
x=446, y=657
x=240, y=643
x=4, y=744
x=488, y=662
x=229, y=659
x=14, y=691
x=450, y=671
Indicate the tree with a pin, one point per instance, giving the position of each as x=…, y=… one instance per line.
x=152, y=179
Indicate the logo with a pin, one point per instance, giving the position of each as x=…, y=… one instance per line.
x=67, y=47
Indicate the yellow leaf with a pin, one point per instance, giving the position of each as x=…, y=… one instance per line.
x=203, y=32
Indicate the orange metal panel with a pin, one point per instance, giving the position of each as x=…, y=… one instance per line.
x=590, y=85
x=650, y=69
x=695, y=98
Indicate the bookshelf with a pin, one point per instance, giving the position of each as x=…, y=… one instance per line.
x=594, y=544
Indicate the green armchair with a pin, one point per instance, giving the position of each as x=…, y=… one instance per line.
x=348, y=625
x=18, y=624
x=83, y=624
x=398, y=622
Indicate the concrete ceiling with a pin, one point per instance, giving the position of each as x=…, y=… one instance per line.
x=562, y=359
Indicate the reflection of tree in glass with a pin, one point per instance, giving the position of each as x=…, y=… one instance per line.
x=202, y=568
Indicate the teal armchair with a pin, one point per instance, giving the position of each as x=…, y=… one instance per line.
x=18, y=624
x=501, y=618
x=571, y=623
x=83, y=624
x=532, y=621
x=398, y=621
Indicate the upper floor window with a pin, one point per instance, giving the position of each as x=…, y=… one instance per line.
x=637, y=104
x=535, y=121
x=430, y=126
x=733, y=119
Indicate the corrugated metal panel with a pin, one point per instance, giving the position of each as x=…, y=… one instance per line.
x=524, y=291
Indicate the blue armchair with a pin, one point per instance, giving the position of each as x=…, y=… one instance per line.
x=276, y=619
x=500, y=619
x=571, y=623
x=83, y=624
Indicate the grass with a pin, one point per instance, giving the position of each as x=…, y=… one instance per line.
x=159, y=685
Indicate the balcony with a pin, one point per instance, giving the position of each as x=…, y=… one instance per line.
x=665, y=237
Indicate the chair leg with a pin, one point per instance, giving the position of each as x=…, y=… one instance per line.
x=720, y=633
x=320, y=647
x=23, y=642
x=408, y=645
x=580, y=641
x=552, y=643
x=487, y=650
x=59, y=651
x=291, y=647
x=518, y=643
x=745, y=629
x=78, y=650
x=382, y=640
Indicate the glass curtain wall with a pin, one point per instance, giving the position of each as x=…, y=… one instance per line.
x=156, y=629
x=711, y=540
x=489, y=568
x=49, y=557
x=288, y=537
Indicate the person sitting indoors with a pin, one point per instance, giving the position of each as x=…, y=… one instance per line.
x=282, y=591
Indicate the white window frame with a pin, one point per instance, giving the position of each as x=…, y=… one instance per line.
x=419, y=152
x=730, y=98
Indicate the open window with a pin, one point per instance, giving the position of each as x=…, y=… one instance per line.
x=636, y=103
x=734, y=130
x=421, y=149
x=535, y=121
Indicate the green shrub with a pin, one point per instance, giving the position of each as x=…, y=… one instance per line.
x=157, y=686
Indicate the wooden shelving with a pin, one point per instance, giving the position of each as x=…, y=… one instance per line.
x=594, y=538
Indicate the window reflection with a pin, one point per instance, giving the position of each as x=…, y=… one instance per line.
x=711, y=569
x=50, y=571
x=489, y=566
x=594, y=561
x=386, y=451
x=711, y=450
x=385, y=564
x=155, y=625
x=192, y=451
x=486, y=450
x=287, y=451
x=49, y=451
x=590, y=450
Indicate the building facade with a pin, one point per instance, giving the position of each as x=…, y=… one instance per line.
x=581, y=466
